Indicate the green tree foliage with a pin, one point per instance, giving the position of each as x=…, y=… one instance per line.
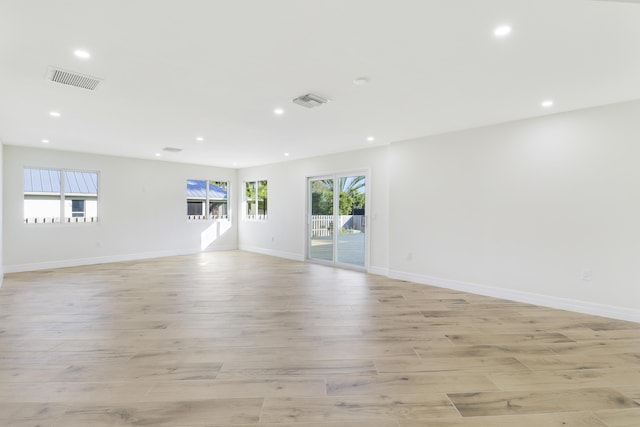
x=261, y=200
x=322, y=197
x=262, y=197
x=351, y=195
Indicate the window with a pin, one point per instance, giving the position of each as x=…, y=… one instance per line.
x=54, y=194
x=77, y=208
x=256, y=199
x=207, y=199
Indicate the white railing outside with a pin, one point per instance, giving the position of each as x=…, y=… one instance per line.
x=258, y=217
x=56, y=220
x=200, y=217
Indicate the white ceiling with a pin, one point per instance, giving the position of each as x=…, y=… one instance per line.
x=175, y=70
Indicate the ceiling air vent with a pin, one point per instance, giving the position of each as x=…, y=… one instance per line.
x=172, y=149
x=71, y=78
x=310, y=100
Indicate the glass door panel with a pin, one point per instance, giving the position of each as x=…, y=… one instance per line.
x=337, y=226
x=351, y=217
x=321, y=223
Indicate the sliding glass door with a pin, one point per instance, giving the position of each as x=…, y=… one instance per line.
x=337, y=220
x=321, y=244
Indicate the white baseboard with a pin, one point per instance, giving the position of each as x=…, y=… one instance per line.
x=280, y=254
x=47, y=265
x=380, y=271
x=585, y=307
x=613, y=312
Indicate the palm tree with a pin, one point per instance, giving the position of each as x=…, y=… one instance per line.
x=352, y=189
x=347, y=183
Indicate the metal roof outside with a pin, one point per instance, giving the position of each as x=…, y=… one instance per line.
x=48, y=181
x=197, y=189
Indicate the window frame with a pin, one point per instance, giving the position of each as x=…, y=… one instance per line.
x=64, y=196
x=248, y=201
x=207, y=201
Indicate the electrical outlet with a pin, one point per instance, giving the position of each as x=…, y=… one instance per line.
x=587, y=275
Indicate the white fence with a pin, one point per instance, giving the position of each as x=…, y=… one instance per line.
x=322, y=225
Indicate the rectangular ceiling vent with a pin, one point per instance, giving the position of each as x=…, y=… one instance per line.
x=172, y=149
x=310, y=100
x=71, y=78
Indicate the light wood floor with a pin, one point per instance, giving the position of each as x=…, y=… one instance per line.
x=230, y=339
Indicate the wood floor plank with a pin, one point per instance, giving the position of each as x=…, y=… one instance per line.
x=570, y=419
x=407, y=384
x=510, y=338
x=72, y=392
x=593, y=347
x=35, y=413
x=536, y=402
x=579, y=361
x=237, y=387
x=401, y=365
x=165, y=414
x=138, y=370
x=620, y=417
x=299, y=367
x=577, y=378
x=429, y=350
x=204, y=341
x=354, y=408
x=585, y=333
x=632, y=391
x=363, y=423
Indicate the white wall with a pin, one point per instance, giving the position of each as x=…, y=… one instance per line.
x=521, y=210
x=1, y=215
x=283, y=234
x=142, y=212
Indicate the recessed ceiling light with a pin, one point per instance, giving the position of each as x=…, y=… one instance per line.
x=502, y=31
x=286, y=154
x=548, y=103
x=361, y=81
x=54, y=114
x=82, y=54
x=235, y=163
x=370, y=138
x=45, y=141
x=199, y=139
x=158, y=154
x=278, y=111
